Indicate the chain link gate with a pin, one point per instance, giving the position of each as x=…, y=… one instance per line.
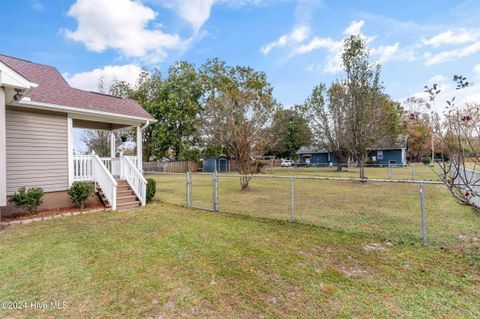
x=202, y=191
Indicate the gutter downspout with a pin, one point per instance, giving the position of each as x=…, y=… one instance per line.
x=3, y=145
x=145, y=126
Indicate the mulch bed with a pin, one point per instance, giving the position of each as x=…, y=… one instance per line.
x=48, y=212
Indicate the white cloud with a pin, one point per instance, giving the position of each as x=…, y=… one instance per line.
x=354, y=28
x=89, y=80
x=333, y=61
x=122, y=25
x=386, y=52
x=476, y=69
x=297, y=35
x=197, y=12
x=437, y=79
x=319, y=43
x=394, y=52
x=301, y=30
x=472, y=98
x=446, y=56
x=459, y=36
x=194, y=12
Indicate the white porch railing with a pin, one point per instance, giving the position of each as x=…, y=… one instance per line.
x=82, y=168
x=105, y=180
x=103, y=170
x=112, y=164
x=134, y=160
x=130, y=173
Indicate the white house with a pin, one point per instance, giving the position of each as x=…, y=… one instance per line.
x=38, y=110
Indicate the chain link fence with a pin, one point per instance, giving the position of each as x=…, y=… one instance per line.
x=390, y=210
x=412, y=172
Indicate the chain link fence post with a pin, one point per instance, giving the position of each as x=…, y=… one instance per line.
x=424, y=217
x=414, y=172
x=215, y=191
x=389, y=171
x=292, y=200
x=188, y=191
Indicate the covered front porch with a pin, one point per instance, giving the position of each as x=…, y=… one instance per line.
x=118, y=177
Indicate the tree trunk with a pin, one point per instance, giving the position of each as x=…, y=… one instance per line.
x=244, y=182
x=362, y=171
x=339, y=167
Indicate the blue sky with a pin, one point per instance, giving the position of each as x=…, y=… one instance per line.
x=296, y=43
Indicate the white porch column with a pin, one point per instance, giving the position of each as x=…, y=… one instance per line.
x=140, y=149
x=112, y=144
x=3, y=150
x=70, y=150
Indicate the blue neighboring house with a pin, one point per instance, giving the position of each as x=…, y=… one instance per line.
x=383, y=156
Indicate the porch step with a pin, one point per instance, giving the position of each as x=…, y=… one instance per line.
x=123, y=188
x=124, y=192
x=126, y=198
x=129, y=205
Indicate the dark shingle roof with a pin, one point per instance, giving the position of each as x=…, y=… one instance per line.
x=54, y=89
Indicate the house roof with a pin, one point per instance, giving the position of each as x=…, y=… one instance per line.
x=54, y=89
x=309, y=150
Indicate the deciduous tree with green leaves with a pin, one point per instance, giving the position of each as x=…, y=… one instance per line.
x=174, y=101
x=371, y=116
x=290, y=131
x=178, y=110
x=239, y=108
x=353, y=115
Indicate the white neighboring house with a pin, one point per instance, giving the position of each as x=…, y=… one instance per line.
x=38, y=110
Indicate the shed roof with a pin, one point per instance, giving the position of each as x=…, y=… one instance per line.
x=54, y=89
x=216, y=157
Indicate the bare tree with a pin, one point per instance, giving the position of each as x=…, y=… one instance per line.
x=459, y=130
x=327, y=114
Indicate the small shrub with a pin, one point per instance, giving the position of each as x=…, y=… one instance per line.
x=28, y=199
x=370, y=162
x=151, y=189
x=426, y=160
x=80, y=192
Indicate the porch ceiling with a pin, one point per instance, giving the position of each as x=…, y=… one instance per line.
x=97, y=125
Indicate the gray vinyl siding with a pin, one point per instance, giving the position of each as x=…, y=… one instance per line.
x=37, y=150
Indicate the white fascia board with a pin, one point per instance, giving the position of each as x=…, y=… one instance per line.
x=11, y=78
x=84, y=114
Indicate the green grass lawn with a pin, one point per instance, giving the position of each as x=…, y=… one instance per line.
x=388, y=211
x=419, y=172
x=164, y=261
